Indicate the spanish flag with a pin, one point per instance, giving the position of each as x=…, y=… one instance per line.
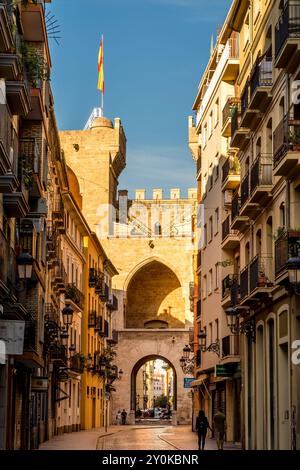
x=100, y=68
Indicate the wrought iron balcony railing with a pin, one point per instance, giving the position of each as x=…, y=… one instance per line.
x=245, y=189
x=226, y=285
x=262, y=75
x=230, y=345
x=288, y=25
x=112, y=304
x=92, y=320
x=286, y=137
x=74, y=294
x=230, y=167
x=230, y=104
x=261, y=172
x=287, y=246
x=235, y=205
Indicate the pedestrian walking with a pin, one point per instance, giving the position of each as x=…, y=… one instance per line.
x=202, y=425
x=119, y=417
x=219, y=423
x=124, y=416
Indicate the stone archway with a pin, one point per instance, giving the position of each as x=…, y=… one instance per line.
x=154, y=298
x=137, y=367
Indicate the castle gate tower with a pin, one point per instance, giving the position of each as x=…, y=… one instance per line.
x=149, y=240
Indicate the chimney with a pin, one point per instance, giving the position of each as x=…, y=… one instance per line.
x=123, y=203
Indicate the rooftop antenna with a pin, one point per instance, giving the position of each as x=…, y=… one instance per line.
x=52, y=26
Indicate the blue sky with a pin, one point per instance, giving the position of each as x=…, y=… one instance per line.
x=154, y=54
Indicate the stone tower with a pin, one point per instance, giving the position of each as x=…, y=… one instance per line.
x=153, y=257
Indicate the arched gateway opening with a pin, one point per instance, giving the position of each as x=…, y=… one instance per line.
x=153, y=388
x=154, y=298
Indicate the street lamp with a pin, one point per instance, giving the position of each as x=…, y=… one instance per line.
x=247, y=327
x=25, y=263
x=293, y=267
x=187, y=361
x=67, y=314
x=202, y=340
x=213, y=347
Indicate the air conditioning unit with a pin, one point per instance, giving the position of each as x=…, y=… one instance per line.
x=228, y=193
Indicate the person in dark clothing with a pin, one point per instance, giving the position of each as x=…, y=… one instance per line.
x=202, y=425
x=124, y=415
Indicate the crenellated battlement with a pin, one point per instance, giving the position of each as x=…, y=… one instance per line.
x=158, y=194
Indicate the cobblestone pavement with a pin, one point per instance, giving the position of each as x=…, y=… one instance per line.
x=131, y=438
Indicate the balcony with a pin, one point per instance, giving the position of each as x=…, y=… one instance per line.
x=59, y=355
x=231, y=173
x=58, y=214
x=231, y=103
x=240, y=136
x=10, y=67
x=52, y=314
x=59, y=279
x=33, y=22
x=227, y=69
x=29, y=155
x=244, y=283
x=37, y=106
x=99, y=326
x=102, y=290
x=248, y=208
x=261, y=180
x=106, y=329
x=76, y=364
x=18, y=98
x=257, y=280
x=6, y=37
x=113, y=303
x=287, y=35
x=74, y=296
x=238, y=222
x=261, y=83
x=235, y=294
x=93, y=277
x=287, y=246
x=230, y=346
x=226, y=290
x=92, y=320
x=230, y=238
x=114, y=338
x=286, y=145
x=50, y=243
x=249, y=116
x=8, y=267
x=6, y=151
x=30, y=335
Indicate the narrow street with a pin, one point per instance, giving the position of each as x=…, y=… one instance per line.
x=131, y=438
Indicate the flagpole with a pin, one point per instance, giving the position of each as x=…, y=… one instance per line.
x=102, y=93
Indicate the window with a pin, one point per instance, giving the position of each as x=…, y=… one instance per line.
x=217, y=329
x=217, y=112
x=216, y=167
x=210, y=333
x=217, y=220
x=210, y=286
x=204, y=135
x=282, y=215
x=204, y=287
x=246, y=32
x=210, y=229
x=205, y=235
x=217, y=275
x=210, y=124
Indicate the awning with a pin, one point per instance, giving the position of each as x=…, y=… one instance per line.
x=199, y=381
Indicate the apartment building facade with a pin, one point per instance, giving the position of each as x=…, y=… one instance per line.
x=260, y=197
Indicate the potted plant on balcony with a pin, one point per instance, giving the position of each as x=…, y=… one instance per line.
x=294, y=139
x=262, y=279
